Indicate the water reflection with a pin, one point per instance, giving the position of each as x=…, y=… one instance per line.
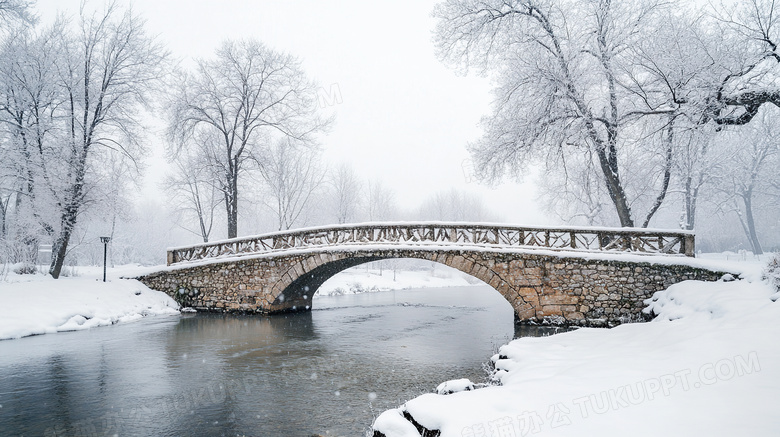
x=330, y=371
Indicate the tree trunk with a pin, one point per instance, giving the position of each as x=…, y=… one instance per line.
x=231, y=205
x=607, y=150
x=690, y=205
x=69, y=214
x=3, y=214
x=204, y=233
x=667, y=173
x=615, y=189
x=750, y=225
x=60, y=247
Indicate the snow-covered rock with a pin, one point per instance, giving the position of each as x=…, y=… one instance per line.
x=455, y=386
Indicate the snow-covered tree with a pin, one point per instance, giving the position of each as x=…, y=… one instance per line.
x=575, y=193
x=107, y=67
x=242, y=100
x=746, y=179
x=28, y=113
x=380, y=202
x=192, y=190
x=560, y=68
x=454, y=205
x=616, y=87
x=345, y=193
x=71, y=100
x=292, y=177
x=743, y=40
x=17, y=11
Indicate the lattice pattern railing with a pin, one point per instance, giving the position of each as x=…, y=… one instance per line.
x=464, y=235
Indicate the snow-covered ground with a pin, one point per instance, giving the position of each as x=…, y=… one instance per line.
x=708, y=364
x=37, y=304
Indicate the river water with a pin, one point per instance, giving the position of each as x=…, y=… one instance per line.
x=327, y=372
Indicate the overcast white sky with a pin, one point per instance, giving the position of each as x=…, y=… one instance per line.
x=404, y=118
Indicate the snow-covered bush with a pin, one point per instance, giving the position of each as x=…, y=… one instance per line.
x=357, y=287
x=772, y=271
x=25, y=269
x=69, y=271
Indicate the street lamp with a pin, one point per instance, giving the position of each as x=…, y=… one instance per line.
x=105, y=241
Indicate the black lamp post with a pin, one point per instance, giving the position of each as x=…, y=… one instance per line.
x=105, y=241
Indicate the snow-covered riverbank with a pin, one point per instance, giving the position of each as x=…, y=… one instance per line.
x=38, y=304
x=709, y=364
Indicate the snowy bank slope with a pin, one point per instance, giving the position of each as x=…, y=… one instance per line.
x=709, y=364
x=46, y=305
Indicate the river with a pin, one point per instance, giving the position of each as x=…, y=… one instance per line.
x=329, y=371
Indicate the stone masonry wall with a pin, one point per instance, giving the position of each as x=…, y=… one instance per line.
x=541, y=288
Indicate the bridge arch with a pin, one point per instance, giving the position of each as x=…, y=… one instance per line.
x=297, y=285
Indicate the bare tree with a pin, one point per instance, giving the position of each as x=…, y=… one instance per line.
x=242, y=99
x=345, y=193
x=292, y=176
x=192, y=190
x=574, y=191
x=380, y=202
x=751, y=171
x=748, y=61
x=455, y=206
x=595, y=78
x=697, y=164
x=561, y=67
x=106, y=70
x=30, y=98
x=17, y=11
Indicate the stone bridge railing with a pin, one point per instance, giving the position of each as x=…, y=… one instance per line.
x=466, y=235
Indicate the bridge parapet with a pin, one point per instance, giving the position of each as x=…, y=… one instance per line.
x=460, y=235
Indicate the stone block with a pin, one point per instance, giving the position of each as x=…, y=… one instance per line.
x=530, y=295
x=533, y=272
x=558, y=299
x=310, y=263
x=525, y=313
x=549, y=310
x=479, y=271
x=495, y=281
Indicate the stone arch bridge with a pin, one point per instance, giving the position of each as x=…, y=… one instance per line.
x=586, y=276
